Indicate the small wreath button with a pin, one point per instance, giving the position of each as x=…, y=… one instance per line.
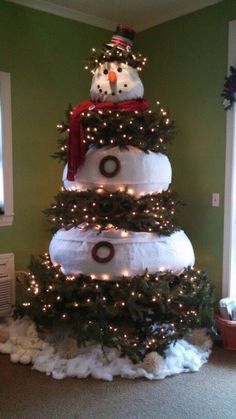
x=103, y=169
x=103, y=259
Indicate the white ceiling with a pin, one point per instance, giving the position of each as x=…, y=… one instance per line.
x=139, y=14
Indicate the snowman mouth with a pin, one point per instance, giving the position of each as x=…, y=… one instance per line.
x=112, y=92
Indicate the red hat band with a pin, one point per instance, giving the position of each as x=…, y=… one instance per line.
x=123, y=37
x=121, y=42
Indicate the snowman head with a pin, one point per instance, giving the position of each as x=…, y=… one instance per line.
x=115, y=81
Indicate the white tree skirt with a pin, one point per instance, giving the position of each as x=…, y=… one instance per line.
x=24, y=345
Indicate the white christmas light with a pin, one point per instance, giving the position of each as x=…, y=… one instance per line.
x=125, y=272
x=130, y=191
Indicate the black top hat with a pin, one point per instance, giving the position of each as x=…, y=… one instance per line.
x=123, y=37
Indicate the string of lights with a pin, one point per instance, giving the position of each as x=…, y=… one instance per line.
x=146, y=130
x=104, y=210
x=99, y=56
x=138, y=315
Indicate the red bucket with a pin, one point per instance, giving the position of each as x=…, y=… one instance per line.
x=228, y=332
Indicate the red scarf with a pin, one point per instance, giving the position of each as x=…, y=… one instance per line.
x=76, y=150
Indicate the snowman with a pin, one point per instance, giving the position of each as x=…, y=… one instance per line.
x=114, y=253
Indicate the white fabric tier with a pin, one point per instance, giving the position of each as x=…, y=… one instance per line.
x=133, y=252
x=141, y=173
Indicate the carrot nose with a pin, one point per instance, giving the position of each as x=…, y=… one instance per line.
x=112, y=76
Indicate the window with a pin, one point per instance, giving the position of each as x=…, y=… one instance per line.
x=6, y=183
x=229, y=259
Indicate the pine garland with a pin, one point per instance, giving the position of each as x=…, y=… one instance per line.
x=62, y=144
x=152, y=212
x=138, y=315
x=146, y=130
x=109, y=54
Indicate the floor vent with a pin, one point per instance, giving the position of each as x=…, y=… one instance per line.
x=7, y=284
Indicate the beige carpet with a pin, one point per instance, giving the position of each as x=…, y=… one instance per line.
x=208, y=394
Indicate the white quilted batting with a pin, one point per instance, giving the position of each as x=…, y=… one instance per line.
x=141, y=172
x=72, y=249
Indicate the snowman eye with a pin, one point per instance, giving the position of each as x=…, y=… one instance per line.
x=105, y=71
x=119, y=69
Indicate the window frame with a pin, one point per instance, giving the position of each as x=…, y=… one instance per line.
x=229, y=261
x=6, y=219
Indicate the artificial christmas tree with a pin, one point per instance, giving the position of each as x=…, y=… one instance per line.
x=120, y=270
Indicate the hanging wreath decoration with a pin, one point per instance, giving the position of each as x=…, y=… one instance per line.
x=229, y=92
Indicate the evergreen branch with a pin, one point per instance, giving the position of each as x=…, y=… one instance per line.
x=105, y=54
x=140, y=314
x=152, y=212
x=146, y=130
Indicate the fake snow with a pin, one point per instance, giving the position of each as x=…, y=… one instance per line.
x=20, y=340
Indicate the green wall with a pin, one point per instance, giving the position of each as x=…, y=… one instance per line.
x=45, y=55
x=187, y=63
